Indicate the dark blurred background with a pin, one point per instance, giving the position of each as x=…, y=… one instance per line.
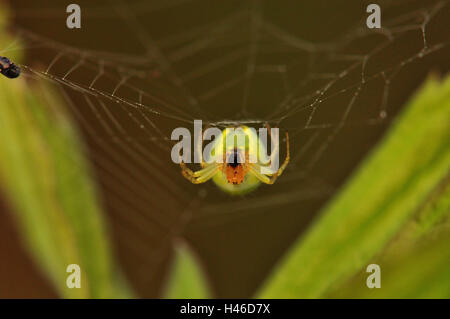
x=251, y=61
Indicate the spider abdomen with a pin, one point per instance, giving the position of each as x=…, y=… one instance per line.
x=235, y=174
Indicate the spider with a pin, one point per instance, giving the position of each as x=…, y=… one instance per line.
x=236, y=174
x=8, y=69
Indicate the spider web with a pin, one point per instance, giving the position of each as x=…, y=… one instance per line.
x=138, y=69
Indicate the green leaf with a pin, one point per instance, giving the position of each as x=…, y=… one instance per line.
x=416, y=263
x=186, y=278
x=46, y=178
x=387, y=190
x=419, y=271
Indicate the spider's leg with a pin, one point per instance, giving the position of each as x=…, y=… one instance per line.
x=206, y=174
x=285, y=163
x=186, y=169
x=198, y=173
x=288, y=155
x=199, y=146
x=276, y=149
x=224, y=158
x=256, y=169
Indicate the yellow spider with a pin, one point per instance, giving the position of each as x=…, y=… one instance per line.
x=236, y=174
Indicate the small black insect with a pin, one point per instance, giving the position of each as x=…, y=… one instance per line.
x=8, y=69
